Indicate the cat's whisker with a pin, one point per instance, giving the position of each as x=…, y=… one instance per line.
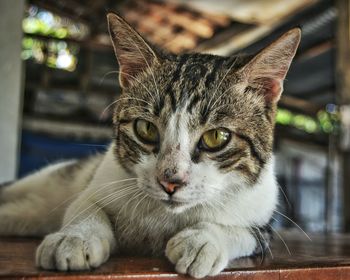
x=135, y=79
x=134, y=107
x=280, y=237
x=126, y=225
x=215, y=109
x=105, y=75
x=266, y=242
x=259, y=242
x=63, y=202
x=123, y=98
x=137, y=204
x=94, y=204
x=103, y=187
x=228, y=89
x=111, y=200
x=138, y=99
x=205, y=208
x=217, y=88
x=149, y=67
x=135, y=192
x=289, y=219
x=218, y=202
x=89, y=207
x=285, y=196
x=135, y=195
x=126, y=191
x=224, y=193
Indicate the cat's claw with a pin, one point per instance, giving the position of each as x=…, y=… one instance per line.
x=62, y=251
x=195, y=252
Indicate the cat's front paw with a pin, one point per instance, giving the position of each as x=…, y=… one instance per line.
x=197, y=253
x=65, y=252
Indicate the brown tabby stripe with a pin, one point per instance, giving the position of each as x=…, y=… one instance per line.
x=193, y=101
x=195, y=81
x=193, y=76
x=213, y=73
x=195, y=156
x=132, y=144
x=158, y=106
x=253, y=150
x=129, y=150
x=125, y=121
x=117, y=141
x=176, y=76
x=228, y=154
x=229, y=164
x=251, y=176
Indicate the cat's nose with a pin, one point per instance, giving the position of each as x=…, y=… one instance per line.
x=171, y=186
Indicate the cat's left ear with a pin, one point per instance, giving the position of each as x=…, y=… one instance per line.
x=133, y=53
x=267, y=70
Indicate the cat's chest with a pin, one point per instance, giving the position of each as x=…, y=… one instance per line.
x=146, y=232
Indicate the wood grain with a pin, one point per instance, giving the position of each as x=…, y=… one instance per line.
x=323, y=258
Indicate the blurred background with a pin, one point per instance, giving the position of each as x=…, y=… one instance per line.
x=58, y=76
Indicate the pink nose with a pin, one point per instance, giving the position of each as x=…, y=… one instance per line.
x=170, y=187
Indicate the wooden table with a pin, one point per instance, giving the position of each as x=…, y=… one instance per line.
x=322, y=258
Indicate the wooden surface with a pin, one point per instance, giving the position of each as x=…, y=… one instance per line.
x=322, y=258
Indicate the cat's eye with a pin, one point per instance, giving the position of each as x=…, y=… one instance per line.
x=146, y=131
x=215, y=139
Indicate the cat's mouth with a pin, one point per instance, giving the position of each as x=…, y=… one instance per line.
x=172, y=203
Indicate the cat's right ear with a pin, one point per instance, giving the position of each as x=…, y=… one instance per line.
x=267, y=70
x=133, y=53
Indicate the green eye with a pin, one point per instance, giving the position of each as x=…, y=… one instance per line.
x=215, y=139
x=146, y=131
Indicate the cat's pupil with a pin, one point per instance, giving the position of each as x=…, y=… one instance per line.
x=216, y=134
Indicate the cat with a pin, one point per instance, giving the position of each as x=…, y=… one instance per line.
x=189, y=174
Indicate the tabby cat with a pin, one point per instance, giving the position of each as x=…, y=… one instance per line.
x=189, y=173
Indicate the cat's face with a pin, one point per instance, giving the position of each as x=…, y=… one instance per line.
x=195, y=128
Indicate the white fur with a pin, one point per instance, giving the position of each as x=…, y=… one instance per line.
x=118, y=213
x=208, y=222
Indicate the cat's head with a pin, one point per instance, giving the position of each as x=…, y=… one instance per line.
x=196, y=127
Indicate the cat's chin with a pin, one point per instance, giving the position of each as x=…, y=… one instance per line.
x=175, y=207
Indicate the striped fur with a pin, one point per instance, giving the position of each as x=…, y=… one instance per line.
x=224, y=199
x=206, y=89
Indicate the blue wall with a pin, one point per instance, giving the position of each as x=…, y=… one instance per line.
x=39, y=150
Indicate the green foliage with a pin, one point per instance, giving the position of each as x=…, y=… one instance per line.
x=325, y=121
x=55, y=53
x=41, y=22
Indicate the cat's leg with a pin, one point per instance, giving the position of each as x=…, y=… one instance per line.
x=86, y=238
x=84, y=242
x=25, y=205
x=206, y=248
x=35, y=205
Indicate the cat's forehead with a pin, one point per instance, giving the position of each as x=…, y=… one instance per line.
x=197, y=85
x=199, y=65
x=190, y=81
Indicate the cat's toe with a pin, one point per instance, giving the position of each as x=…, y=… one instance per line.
x=45, y=253
x=70, y=252
x=97, y=251
x=196, y=253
